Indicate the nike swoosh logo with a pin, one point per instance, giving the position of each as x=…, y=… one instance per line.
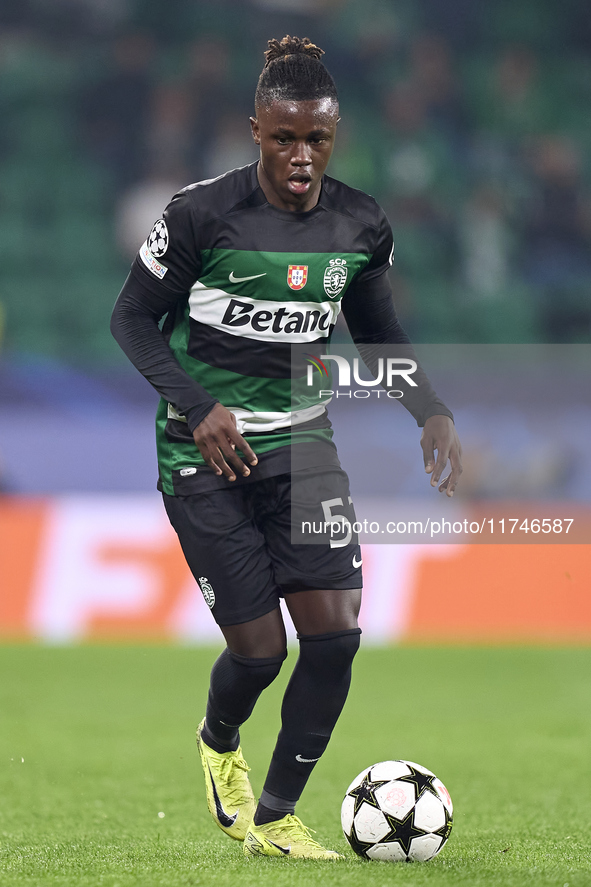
x=226, y=820
x=306, y=760
x=234, y=279
x=355, y=564
x=284, y=850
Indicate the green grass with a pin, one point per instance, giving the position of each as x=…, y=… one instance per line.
x=107, y=738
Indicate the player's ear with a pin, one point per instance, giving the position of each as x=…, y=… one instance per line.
x=256, y=133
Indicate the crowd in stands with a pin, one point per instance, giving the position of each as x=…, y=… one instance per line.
x=467, y=120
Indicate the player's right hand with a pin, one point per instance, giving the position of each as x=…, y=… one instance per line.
x=217, y=439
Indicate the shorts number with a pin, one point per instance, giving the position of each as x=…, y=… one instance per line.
x=337, y=523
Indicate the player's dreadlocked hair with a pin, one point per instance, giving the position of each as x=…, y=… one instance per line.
x=293, y=71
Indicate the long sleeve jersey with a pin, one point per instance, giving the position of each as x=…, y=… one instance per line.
x=249, y=293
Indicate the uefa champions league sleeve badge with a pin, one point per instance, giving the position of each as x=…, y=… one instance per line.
x=158, y=239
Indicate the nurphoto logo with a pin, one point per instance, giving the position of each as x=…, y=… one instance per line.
x=387, y=371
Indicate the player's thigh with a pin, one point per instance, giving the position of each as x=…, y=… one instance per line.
x=226, y=553
x=324, y=610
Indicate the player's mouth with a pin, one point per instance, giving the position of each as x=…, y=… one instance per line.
x=299, y=182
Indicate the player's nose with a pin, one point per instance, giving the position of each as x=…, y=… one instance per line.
x=302, y=154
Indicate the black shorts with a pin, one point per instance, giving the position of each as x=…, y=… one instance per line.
x=238, y=541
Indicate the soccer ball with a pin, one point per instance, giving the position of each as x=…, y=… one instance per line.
x=397, y=811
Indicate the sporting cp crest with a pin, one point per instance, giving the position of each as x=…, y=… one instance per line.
x=335, y=277
x=206, y=590
x=297, y=276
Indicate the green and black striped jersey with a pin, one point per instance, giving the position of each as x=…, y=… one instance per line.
x=241, y=282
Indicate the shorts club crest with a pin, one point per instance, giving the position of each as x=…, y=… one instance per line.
x=297, y=276
x=206, y=591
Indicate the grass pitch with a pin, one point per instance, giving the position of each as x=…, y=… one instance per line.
x=100, y=782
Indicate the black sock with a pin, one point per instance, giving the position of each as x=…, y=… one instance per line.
x=221, y=744
x=313, y=701
x=264, y=814
x=235, y=685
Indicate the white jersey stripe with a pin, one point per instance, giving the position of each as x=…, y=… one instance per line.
x=261, y=319
x=248, y=421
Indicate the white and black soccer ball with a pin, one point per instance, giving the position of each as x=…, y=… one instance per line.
x=158, y=239
x=397, y=811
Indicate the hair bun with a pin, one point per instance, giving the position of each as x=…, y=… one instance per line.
x=291, y=46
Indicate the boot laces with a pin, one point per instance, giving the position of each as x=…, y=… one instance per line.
x=230, y=771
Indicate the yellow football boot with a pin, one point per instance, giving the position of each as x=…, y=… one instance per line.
x=287, y=837
x=229, y=793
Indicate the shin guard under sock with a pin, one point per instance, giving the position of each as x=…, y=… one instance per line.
x=235, y=685
x=313, y=701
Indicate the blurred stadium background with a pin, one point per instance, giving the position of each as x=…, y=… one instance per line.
x=468, y=121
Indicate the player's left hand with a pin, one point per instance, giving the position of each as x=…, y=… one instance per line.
x=439, y=433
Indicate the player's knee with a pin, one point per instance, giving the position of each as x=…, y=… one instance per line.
x=259, y=671
x=334, y=651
